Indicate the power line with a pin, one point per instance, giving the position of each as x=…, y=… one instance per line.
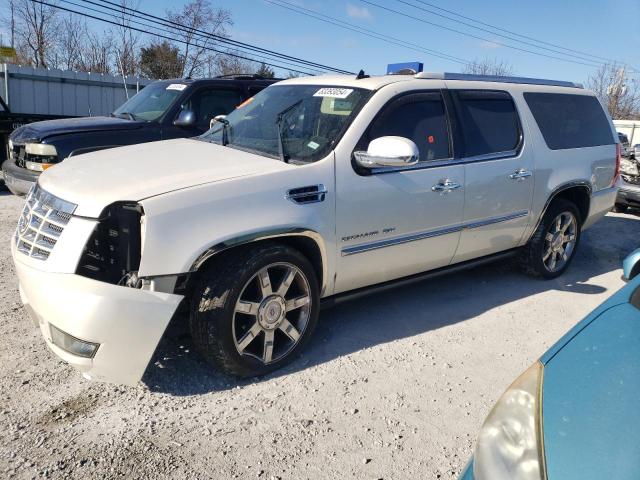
x=364, y=31
x=515, y=33
x=422, y=20
x=219, y=38
x=270, y=58
x=508, y=37
x=41, y=2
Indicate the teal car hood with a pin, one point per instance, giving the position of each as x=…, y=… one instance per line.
x=591, y=396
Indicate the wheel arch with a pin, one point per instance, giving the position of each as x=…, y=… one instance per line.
x=307, y=242
x=579, y=193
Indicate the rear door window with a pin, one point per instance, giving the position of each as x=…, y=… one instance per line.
x=488, y=120
x=570, y=121
x=419, y=117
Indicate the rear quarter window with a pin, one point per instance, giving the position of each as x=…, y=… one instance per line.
x=570, y=121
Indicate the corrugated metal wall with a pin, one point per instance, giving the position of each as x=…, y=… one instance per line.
x=66, y=93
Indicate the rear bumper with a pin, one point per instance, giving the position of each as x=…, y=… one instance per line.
x=601, y=203
x=18, y=180
x=127, y=323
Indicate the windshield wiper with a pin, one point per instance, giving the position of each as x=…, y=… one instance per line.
x=128, y=114
x=279, y=119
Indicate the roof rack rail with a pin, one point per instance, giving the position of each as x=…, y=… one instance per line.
x=496, y=78
x=245, y=76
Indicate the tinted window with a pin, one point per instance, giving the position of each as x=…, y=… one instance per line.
x=488, y=120
x=570, y=121
x=206, y=103
x=418, y=117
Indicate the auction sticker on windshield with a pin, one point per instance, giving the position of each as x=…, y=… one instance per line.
x=333, y=92
x=176, y=86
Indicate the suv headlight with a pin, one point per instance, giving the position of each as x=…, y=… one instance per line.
x=510, y=443
x=40, y=156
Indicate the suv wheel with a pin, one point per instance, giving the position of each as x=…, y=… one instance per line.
x=553, y=244
x=253, y=312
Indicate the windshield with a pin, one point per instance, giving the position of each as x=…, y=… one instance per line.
x=297, y=123
x=151, y=102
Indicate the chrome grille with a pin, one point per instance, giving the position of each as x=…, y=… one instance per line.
x=41, y=223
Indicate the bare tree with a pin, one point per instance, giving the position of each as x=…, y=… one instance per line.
x=489, y=66
x=72, y=42
x=195, y=17
x=617, y=90
x=36, y=27
x=231, y=65
x=125, y=40
x=98, y=53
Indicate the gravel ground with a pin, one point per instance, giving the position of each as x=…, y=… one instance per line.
x=392, y=386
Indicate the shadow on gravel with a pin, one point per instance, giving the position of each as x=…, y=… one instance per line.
x=404, y=312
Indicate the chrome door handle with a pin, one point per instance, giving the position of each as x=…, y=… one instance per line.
x=445, y=186
x=521, y=173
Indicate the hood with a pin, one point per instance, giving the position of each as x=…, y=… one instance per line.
x=133, y=173
x=590, y=400
x=42, y=130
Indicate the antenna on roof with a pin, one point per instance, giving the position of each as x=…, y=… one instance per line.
x=361, y=75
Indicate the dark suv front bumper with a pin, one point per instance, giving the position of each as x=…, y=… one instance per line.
x=18, y=180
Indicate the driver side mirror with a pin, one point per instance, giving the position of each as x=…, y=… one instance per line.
x=631, y=265
x=383, y=152
x=186, y=118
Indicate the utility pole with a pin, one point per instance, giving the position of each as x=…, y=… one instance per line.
x=12, y=6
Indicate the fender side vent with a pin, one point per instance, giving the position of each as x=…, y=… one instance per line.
x=310, y=194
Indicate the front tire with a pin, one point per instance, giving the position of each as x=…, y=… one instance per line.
x=552, y=247
x=254, y=311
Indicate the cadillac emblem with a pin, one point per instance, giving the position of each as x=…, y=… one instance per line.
x=24, y=221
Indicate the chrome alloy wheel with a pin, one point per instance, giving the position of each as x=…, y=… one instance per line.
x=560, y=241
x=268, y=323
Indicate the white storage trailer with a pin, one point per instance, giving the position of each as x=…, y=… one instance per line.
x=30, y=94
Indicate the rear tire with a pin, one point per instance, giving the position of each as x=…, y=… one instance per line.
x=255, y=310
x=552, y=246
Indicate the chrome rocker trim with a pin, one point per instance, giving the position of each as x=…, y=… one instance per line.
x=365, y=247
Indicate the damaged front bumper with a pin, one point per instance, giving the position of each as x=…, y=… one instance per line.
x=123, y=324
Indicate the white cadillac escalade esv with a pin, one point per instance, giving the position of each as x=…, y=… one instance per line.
x=313, y=189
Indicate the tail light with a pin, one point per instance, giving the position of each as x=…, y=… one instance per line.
x=616, y=174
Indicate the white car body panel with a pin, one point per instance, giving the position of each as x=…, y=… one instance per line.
x=145, y=170
x=200, y=199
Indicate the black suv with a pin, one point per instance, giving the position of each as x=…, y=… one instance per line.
x=163, y=110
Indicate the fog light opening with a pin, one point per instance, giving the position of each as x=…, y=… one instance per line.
x=71, y=344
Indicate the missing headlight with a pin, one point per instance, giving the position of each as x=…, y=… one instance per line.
x=113, y=251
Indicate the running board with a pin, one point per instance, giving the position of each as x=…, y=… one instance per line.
x=334, y=300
